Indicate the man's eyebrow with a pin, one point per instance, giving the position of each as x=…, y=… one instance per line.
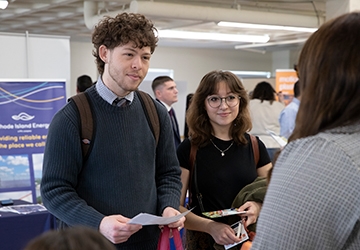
x=129, y=48
x=134, y=50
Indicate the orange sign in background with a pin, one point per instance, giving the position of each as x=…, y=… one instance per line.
x=285, y=79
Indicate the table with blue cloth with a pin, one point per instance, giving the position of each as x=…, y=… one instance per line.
x=16, y=230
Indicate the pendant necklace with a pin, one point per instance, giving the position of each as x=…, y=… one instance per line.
x=222, y=151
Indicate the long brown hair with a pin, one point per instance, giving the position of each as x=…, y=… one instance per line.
x=329, y=73
x=200, y=129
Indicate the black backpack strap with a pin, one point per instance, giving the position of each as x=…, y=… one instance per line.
x=147, y=102
x=86, y=121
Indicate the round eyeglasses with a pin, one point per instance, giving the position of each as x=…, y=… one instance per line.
x=230, y=100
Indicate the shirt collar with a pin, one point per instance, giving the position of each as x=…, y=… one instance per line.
x=296, y=101
x=166, y=106
x=108, y=95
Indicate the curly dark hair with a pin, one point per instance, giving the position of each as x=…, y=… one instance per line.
x=200, y=129
x=120, y=30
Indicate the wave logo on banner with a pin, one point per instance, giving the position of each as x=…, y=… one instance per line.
x=23, y=116
x=27, y=108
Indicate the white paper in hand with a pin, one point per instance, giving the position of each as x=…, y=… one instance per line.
x=149, y=219
x=239, y=232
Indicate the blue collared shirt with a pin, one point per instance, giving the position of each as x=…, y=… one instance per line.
x=287, y=118
x=108, y=95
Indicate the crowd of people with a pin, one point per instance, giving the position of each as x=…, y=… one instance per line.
x=311, y=198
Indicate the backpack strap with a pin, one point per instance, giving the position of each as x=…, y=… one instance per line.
x=192, y=155
x=86, y=121
x=192, y=158
x=87, y=125
x=147, y=102
x=255, y=147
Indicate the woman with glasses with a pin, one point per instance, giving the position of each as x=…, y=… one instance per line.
x=218, y=120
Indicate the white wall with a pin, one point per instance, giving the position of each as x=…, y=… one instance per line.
x=82, y=62
x=190, y=65
x=29, y=56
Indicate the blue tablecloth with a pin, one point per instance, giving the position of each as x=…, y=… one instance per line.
x=16, y=230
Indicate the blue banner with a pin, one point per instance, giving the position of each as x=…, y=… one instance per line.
x=26, y=108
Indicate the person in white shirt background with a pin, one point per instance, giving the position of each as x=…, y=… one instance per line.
x=265, y=111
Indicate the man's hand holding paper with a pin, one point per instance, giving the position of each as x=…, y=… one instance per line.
x=149, y=219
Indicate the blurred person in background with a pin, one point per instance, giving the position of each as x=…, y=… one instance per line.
x=83, y=82
x=265, y=111
x=165, y=92
x=288, y=114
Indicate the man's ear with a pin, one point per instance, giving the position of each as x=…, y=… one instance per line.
x=103, y=53
x=157, y=93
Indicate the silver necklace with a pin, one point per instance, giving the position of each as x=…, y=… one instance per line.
x=222, y=151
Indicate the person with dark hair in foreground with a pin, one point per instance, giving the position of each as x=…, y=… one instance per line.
x=72, y=238
x=313, y=198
